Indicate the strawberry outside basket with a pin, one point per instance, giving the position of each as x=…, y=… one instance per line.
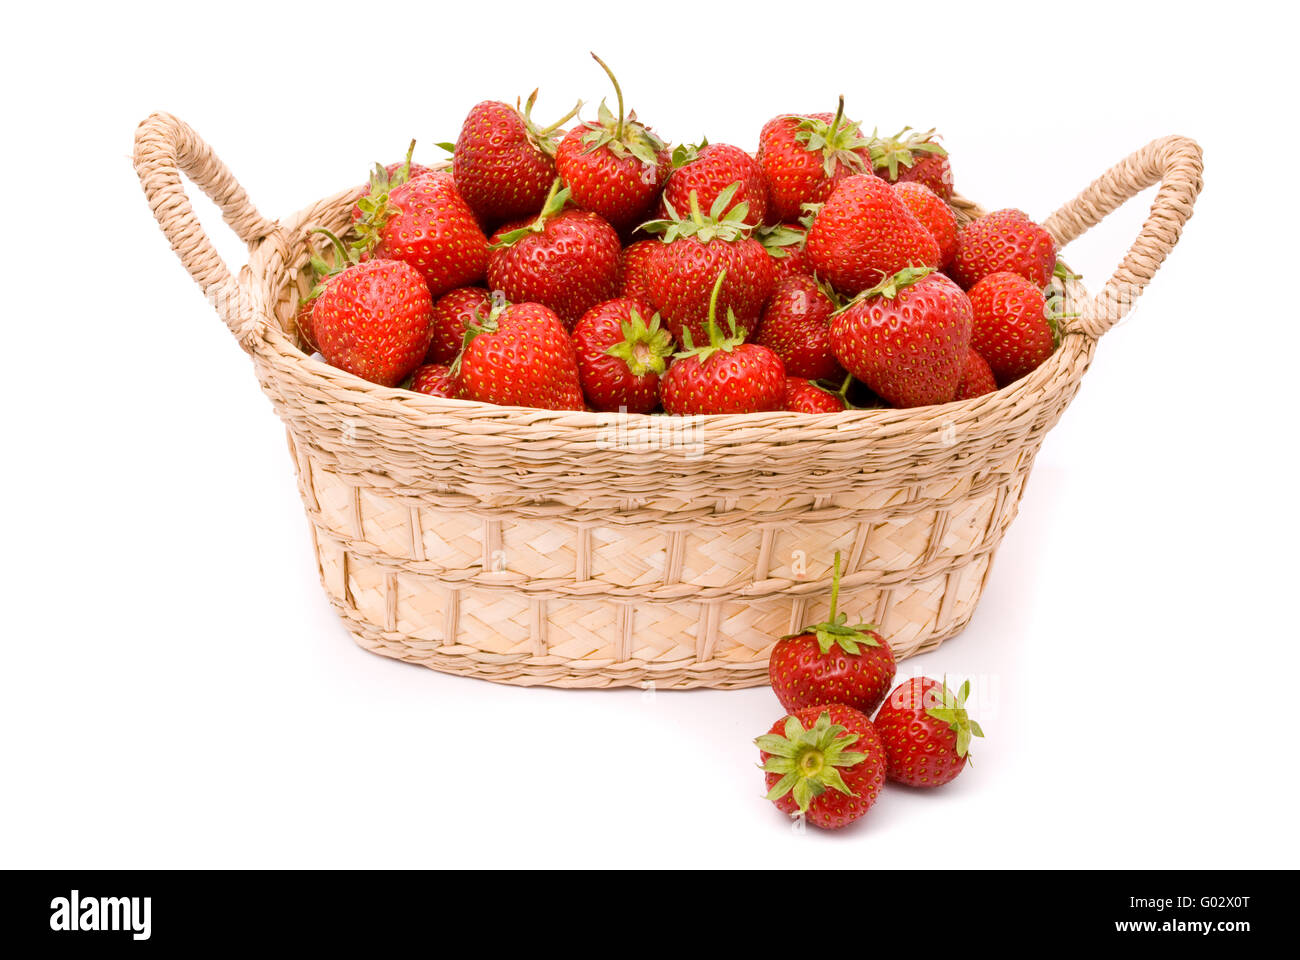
x=591, y=550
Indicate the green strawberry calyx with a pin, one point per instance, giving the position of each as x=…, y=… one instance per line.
x=777, y=240
x=344, y=257
x=478, y=325
x=644, y=347
x=685, y=153
x=887, y=153
x=621, y=135
x=545, y=139
x=951, y=710
x=376, y=207
x=717, y=341
x=554, y=205
x=835, y=631
x=809, y=761
x=720, y=223
x=839, y=141
x=890, y=287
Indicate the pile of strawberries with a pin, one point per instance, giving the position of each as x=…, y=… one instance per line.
x=602, y=269
x=827, y=760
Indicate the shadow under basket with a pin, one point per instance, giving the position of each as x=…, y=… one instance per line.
x=590, y=550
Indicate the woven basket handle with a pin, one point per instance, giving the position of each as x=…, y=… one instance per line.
x=1172, y=162
x=166, y=147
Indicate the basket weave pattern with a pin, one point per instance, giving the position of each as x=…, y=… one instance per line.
x=582, y=549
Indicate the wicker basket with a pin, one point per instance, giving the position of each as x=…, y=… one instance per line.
x=591, y=550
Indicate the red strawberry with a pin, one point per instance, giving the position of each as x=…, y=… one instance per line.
x=796, y=327
x=926, y=732
x=452, y=312
x=726, y=376
x=913, y=158
x=907, y=338
x=832, y=662
x=1011, y=329
x=504, y=163
x=567, y=260
x=520, y=355
x=976, y=378
x=785, y=244
x=425, y=223
x=803, y=158
x=693, y=253
x=614, y=166
x=710, y=168
x=865, y=233
x=436, y=380
x=373, y=320
x=1004, y=241
x=635, y=269
x=303, y=322
x=804, y=396
x=620, y=356
x=935, y=215
x=824, y=762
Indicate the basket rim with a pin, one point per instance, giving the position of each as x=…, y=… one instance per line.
x=272, y=255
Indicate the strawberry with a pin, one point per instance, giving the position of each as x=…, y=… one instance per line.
x=796, y=327
x=373, y=320
x=614, y=166
x=976, y=378
x=302, y=320
x=635, y=269
x=826, y=763
x=913, y=158
x=620, y=356
x=785, y=244
x=935, y=215
x=424, y=222
x=832, y=662
x=803, y=158
x=451, y=313
x=693, y=253
x=1011, y=329
x=906, y=338
x=726, y=376
x=865, y=233
x=926, y=732
x=1005, y=240
x=710, y=168
x=436, y=380
x=504, y=163
x=804, y=396
x=567, y=260
x=519, y=355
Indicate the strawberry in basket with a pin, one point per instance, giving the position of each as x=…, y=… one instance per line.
x=726, y=375
x=865, y=233
x=372, y=319
x=519, y=354
x=804, y=157
x=568, y=260
x=906, y=338
x=435, y=380
x=696, y=249
x=825, y=762
x=504, y=163
x=425, y=223
x=796, y=327
x=976, y=378
x=621, y=355
x=935, y=215
x=832, y=662
x=451, y=314
x=385, y=178
x=926, y=732
x=805, y=396
x=708, y=169
x=614, y=166
x=1004, y=241
x=1011, y=329
x=910, y=157
x=635, y=269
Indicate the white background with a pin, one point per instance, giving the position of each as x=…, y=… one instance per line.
x=174, y=689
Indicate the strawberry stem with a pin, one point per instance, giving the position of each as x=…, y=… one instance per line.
x=618, y=92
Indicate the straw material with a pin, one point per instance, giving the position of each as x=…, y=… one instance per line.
x=590, y=550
